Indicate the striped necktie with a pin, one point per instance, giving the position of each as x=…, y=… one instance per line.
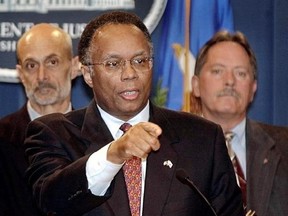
x=237, y=167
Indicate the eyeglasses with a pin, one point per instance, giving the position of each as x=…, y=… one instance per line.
x=139, y=64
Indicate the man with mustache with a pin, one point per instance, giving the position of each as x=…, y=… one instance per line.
x=225, y=82
x=46, y=68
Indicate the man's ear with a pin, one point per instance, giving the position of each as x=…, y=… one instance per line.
x=20, y=73
x=76, y=68
x=195, y=86
x=87, y=75
x=254, y=89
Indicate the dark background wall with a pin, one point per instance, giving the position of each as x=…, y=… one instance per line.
x=265, y=23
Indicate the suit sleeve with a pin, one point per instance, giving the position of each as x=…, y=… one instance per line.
x=57, y=170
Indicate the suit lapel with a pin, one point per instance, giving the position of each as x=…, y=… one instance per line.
x=119, y=200
x=97, y=135
x=163, y=162
x=94, y=129
x=262, y=161
x=22, y=120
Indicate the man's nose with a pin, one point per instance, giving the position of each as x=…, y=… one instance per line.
x=42, y=73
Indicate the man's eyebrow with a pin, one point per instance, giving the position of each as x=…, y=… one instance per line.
x=112, y=55
x=51, y=56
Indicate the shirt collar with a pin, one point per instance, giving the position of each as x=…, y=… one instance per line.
x=33, y=114
x=114, y=123
x=239, y=131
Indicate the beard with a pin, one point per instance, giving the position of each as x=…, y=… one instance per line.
x=46, y=93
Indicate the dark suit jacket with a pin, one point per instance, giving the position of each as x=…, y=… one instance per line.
x=267, y=169
x=59, y=145
x=15, y=195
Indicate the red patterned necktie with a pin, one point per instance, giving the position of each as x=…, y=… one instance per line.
x=133, y=175
x=237, y=167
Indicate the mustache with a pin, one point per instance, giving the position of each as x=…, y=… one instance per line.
x=42, y=85
x=228, y=92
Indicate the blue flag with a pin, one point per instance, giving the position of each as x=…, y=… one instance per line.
x=206, y=18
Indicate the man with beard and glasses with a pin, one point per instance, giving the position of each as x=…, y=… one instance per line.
x=46, y=67
x=225, y=83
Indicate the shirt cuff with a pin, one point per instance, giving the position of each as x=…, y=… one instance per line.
x=100, y=172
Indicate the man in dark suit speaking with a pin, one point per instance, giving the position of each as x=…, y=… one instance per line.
x=120, y=155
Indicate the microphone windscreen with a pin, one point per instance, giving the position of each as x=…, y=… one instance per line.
x=181, y=175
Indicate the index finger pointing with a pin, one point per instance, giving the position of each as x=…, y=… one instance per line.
x=152, y=128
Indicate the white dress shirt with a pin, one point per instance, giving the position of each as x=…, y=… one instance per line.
x=99, y=171
x=239, y=144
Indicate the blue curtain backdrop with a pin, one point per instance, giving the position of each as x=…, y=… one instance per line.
x=206, y=18
x=263, y=22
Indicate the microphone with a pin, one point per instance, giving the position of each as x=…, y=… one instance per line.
x=183, y=177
